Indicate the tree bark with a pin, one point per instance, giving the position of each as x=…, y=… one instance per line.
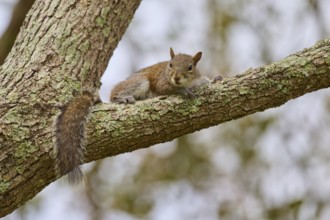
x=65, y=45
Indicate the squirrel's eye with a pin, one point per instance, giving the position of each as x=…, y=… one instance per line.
x=190, y=67
x=171, y=65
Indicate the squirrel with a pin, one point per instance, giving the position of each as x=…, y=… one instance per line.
x=176, y=76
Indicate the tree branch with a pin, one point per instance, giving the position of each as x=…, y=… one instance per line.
x=114, y=129
x=64, y=43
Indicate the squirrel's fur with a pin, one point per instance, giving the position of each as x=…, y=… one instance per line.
x=70, y=136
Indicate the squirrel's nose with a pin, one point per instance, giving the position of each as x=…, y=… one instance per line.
x=177, y=80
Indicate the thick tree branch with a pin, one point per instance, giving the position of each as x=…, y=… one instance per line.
x=115, y=129
x=64, y=43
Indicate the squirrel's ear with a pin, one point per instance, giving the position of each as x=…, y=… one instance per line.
x=197, y=57
x=172, y=53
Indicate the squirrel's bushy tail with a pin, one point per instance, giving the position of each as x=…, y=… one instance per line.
x=70, y=136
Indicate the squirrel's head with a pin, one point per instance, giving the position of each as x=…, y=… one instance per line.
x=182, y=68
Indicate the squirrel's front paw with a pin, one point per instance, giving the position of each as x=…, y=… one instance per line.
x=189, y=94
x=124, y=100
x=217, y=79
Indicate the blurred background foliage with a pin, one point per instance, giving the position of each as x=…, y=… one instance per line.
x=270, y=165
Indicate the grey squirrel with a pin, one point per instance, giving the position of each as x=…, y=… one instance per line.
x=176, y=76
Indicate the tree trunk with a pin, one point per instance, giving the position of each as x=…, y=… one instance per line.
x=62, y=45
x=65, y=45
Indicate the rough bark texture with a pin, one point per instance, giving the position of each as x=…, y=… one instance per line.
x=64, y=44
